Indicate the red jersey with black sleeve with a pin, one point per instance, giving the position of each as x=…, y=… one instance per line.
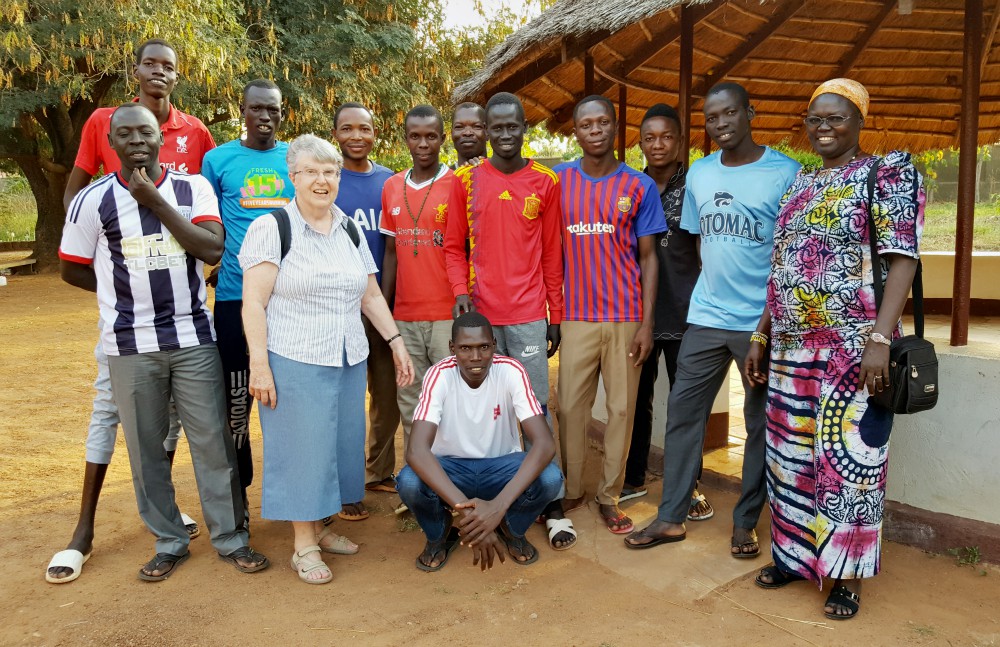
x=185, y=142
x=512, y=224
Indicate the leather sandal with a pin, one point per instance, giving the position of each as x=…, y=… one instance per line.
x=304, y=568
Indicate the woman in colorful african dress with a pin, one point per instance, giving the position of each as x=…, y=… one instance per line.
x=827, y=445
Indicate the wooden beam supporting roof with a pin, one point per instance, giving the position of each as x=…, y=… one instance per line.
x=567, y=50
x=779, y=18
x=851, y=57
x=641, y=56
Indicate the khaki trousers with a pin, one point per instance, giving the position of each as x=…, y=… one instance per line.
x=427, y=344
x=590, y=350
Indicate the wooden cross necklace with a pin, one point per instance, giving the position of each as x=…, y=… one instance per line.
x=406, y=201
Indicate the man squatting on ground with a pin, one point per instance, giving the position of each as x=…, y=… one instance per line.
x=731, y=202
x=140, y=238
x=511, y=203
x=186, y=140
x=360, y=197
x=249, y=180
x=465, y=453
x=414, y=278
x=611, y=215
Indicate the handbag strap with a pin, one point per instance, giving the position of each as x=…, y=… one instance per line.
x=918, y=280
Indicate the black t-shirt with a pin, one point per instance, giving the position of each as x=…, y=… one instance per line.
x=677, y=253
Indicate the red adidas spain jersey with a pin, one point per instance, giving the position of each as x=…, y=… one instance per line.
x=512, y=225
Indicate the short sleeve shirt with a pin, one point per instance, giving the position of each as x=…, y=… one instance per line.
x=733, y=209
x=360, y=197
x=249, y=183
x=185, y=142
x=416, y=221
x=150, y=291
x=314, y=314
x=603, y=219
x=481, y=422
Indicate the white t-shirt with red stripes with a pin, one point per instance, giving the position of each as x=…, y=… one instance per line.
x=150, y=291
x=477, y=423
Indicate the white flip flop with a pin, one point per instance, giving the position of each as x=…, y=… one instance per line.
x=695, y=501
x=191, y=526
x=556, y=526
x=72, y=559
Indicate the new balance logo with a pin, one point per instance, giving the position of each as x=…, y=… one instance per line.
x=505, y=196
x=530, y=350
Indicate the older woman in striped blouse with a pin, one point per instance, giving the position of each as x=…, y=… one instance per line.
x=302, y=316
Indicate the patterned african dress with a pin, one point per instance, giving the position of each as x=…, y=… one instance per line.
x=827, y=449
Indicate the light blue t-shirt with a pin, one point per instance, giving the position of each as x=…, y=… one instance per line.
x=248, y=183
x=733, y=209
x=360, y=197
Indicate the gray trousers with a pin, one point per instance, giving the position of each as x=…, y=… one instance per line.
x=702, y=368
x=142, y=386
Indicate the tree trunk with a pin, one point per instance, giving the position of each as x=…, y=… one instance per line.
x=48, y=189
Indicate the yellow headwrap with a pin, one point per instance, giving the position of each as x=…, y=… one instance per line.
x=850, y=90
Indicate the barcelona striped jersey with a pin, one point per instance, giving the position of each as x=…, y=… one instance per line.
x=603, y=219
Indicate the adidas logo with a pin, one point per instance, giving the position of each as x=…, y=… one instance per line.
x=505, y=196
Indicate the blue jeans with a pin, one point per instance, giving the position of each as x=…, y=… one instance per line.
x=478, y=478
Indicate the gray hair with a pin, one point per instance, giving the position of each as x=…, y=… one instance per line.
x=315, y=147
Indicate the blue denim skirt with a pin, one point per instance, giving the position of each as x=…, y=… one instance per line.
x=314, y=440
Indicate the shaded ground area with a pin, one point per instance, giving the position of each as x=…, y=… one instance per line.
x=597, y=594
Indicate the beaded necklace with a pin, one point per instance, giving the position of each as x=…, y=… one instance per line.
x=406, y=201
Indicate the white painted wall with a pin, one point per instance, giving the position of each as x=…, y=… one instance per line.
x=948, y=459
x=939, y=275
x=659, y=404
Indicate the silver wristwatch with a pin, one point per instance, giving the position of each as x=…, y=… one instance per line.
x=879, y=338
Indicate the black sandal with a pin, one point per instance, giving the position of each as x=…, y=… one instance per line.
x=446, y=545
x=257, y=561
x=159, y=560
x=519, y=544
x=778, y=577
x=753, y=543
x=846, y=598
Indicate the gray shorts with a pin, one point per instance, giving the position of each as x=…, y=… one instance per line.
x=526, y=343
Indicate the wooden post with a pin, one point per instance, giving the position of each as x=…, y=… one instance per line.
x=622, y=120
x=968, y=144
x=588, y=74
x=684, y=87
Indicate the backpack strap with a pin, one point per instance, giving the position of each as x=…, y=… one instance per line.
x=284, y=231
x=351, y=228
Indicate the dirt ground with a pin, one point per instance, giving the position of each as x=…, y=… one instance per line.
x=597, y=594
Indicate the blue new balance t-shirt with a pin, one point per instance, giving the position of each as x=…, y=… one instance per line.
x=733, y=209
x=360, y=197
x=248, y=183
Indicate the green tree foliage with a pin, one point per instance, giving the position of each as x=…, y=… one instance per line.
x=61, y=59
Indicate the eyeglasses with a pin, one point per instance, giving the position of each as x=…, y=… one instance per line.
x=832, y=121
x=311, y=174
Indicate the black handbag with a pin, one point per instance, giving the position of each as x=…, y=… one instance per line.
x=913, y=364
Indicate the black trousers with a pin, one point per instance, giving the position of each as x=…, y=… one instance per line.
x=236, y=381
x=642, y=424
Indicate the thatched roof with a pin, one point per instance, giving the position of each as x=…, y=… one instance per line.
x=779, y=49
